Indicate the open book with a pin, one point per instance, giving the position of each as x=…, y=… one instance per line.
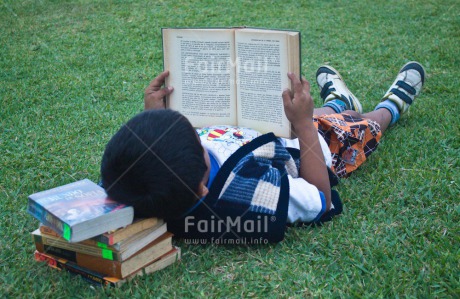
x=231, y=76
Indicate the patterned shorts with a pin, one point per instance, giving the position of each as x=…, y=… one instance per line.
x=350, y=139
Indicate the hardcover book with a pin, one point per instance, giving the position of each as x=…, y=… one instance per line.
x=231, y=76
x=79, y=210
x=101, y=279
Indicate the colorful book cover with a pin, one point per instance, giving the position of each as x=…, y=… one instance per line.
x=79, y=210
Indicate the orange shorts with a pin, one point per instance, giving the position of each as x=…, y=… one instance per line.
x=350, y=139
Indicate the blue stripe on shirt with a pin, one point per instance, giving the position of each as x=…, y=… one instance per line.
x=323, y=206
x=214, y=169
x=212, y=174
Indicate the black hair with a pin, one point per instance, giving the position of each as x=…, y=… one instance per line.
x=154, y=163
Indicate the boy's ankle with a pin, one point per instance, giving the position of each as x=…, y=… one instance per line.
x=337, y=105
x=392, y=108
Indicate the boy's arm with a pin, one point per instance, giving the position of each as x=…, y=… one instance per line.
x=154, y=93
x=298, y=107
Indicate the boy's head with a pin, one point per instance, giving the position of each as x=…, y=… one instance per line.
x=156, y=164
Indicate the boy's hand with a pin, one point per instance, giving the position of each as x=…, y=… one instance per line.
x=299, y=110
x=298, y=105
x=154, y=94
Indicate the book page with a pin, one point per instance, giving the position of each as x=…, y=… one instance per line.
x=262, y=68
x=202, y=73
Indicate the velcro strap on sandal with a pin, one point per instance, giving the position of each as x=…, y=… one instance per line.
x=401, y=95
x=406, y=87
x=325, y=91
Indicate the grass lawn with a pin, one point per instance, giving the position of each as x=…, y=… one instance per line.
x=72, y=72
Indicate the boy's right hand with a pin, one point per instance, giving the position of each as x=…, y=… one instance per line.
x=298, y=105
x=154, y=94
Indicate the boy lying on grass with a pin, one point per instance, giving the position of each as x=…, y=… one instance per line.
x=222, y=175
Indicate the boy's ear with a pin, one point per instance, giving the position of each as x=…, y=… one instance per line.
x=202, y=190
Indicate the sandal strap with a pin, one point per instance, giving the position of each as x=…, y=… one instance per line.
x=326, y=90
x=401, y=95
x=406, y=87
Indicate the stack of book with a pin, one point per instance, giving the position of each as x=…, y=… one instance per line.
x=86, y=233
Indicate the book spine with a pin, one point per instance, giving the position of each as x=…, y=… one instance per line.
x=104, y=238
x=94, y=243
x=49, y=231
x=37, y=211
x=90, y=242
x=90, y=250
x=52, y=262
x=86, y=274
x=109, y=268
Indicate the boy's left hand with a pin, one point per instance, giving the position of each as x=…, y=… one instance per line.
x=154, y=94
x=298, y=105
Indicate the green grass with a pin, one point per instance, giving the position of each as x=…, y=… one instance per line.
x=72, y=72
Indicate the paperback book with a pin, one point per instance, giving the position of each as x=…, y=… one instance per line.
x=79, y=210
x=169, y=258
x=123, y=233
x=106, y=265
x=118, y=251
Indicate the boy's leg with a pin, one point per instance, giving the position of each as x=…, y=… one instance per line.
x=353, y=136
x=323, y=111
x=380, y=116
x=397, y=100
x=350, y=137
